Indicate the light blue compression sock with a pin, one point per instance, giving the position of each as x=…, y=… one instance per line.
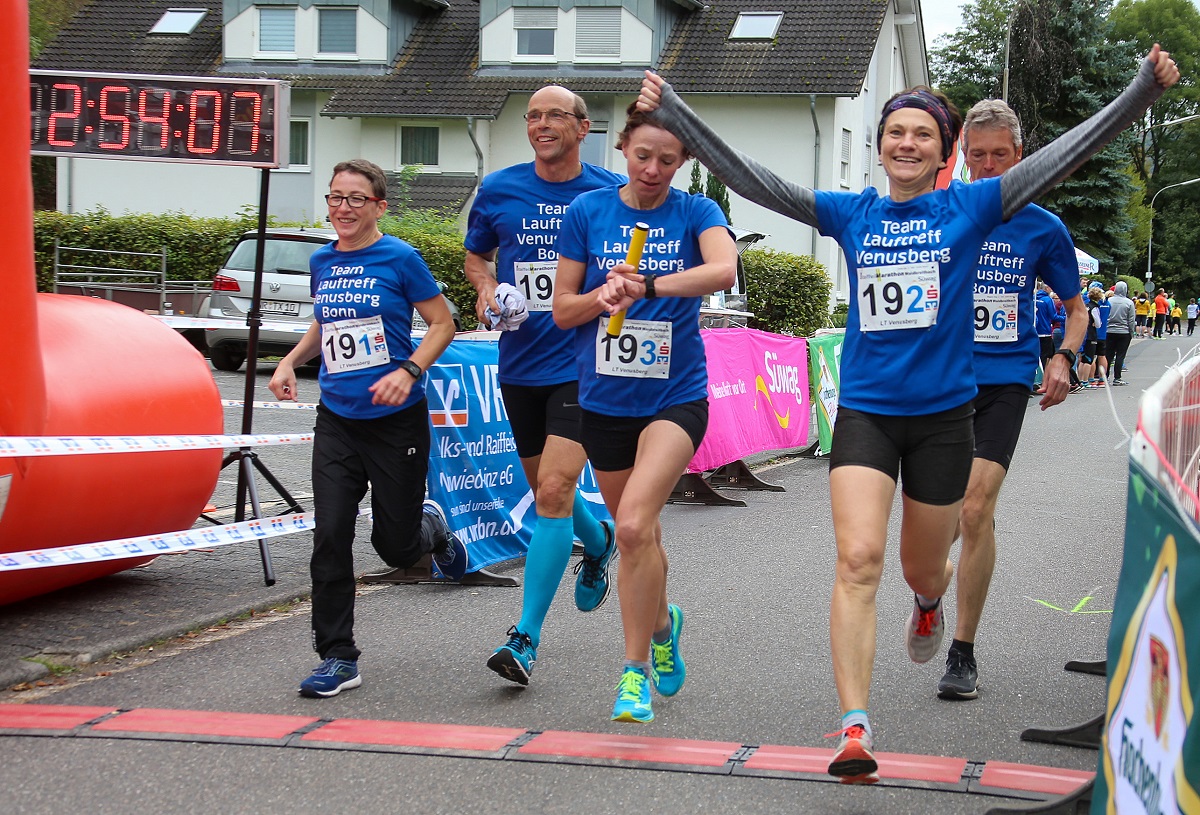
x=545, y=564
x=858, y=717
x=587, y=528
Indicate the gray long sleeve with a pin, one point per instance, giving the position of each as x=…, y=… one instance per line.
x=1036, y=175
x=737, y=171
x=1021, y=185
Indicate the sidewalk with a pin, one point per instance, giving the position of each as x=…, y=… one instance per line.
x=754, y=583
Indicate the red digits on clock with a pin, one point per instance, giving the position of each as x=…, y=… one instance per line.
x=147, y=120
x=246, y=127
x=204, y=114
x=114, y=107
x=74, y=105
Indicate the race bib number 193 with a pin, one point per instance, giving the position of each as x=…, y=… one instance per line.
x=348, y=345
x=891, y=297
x=642, y=350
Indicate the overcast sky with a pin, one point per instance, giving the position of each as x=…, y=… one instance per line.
x=941, y=17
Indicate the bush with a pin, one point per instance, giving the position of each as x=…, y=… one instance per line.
x=440, y=242
x=789, y=294
x=838, y=318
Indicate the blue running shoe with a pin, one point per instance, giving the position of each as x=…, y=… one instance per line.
x=633, y=698
x=514, y=659
x=591, y=584
x=330, y=678
x=666, y=664
x=449, y=553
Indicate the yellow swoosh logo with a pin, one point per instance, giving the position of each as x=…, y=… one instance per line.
x=761, y=387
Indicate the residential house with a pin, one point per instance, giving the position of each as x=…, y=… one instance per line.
x=440, y=86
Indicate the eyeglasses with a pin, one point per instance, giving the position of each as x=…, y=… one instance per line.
x=552, y=116
x=356, y=201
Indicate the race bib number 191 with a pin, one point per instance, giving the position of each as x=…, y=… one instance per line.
x=642, y=350
x=891, y=297
x=348, y=345
x=535, y=280
x=996, y=317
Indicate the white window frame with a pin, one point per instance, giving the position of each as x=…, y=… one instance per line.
x=424, y=168
x=756, y=25
x=598, y=132
x=844, y=174
x=179, y=21
x=308, y=146
x=341, y=56
x=258, y=51
x=535, y=25
x=596, y=33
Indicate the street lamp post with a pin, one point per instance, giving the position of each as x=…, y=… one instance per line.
x=1150, y=240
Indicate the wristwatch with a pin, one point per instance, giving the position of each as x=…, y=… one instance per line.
x=649, y=281
x=413, y=368
x=1069, y=354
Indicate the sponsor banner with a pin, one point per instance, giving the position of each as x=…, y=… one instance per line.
x=475, y=474
x=28, y=446
x=1150, y=750
x=757, y=395
x=824, y=372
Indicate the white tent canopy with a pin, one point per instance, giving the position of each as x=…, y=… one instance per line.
x=1088, y=265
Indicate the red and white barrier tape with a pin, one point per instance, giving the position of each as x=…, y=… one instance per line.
x=283, y=405
x=211, y=322
x=23, y=446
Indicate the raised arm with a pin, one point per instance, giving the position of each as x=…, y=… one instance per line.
x=737, y=171
x=1037, y=174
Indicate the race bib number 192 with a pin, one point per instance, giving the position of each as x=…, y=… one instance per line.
x=891, y=297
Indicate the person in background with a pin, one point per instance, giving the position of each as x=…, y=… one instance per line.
x=644, y=392
x=1088, y=352
x=1161, y=310
x=372, y=426
x=1176, y=319
x=1100, y=372
x=1143, y=309
x=1043, y=318
x=1122, y=322
x=921, y=434
x=1193, y=311
x=511, y=233
x=1037, y=243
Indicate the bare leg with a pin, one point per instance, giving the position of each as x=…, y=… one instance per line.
x=977, y=559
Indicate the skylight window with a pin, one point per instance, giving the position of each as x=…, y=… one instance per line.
x=756, y=25
x=179, y=21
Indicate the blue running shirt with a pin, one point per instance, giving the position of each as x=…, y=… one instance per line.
x=520, y=214
x=908, y=347
x=354, y=295
x=596, y=232
x=1034, y=243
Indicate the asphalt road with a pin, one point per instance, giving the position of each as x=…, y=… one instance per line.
x=754, y=583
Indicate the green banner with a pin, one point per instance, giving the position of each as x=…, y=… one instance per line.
x=824, y=381
x=1150, y=752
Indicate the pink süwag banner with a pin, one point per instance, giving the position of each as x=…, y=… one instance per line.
x=757, y=395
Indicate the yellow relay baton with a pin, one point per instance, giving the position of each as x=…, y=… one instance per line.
x=633, y=257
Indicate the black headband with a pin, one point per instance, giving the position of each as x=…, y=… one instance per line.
x=926, y=101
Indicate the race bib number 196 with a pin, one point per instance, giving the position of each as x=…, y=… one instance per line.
x=642, y=350
x=996, y=317
x=891, y=297
x=348, y=345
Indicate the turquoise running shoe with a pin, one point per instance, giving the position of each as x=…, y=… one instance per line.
x=633, y=698
x=666, y=663
x=514, y=659
x=591, y=584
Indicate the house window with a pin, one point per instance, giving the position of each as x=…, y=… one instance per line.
x=756, y=25
x=337, y=31
x=535, y=31
x=845, y=173
x=868, y=158
x=298, y=144
x=595, y=149
x=277, y=30
x=598, y=32
x=419, y=145
x=179, y=21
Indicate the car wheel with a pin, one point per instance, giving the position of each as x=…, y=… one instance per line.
x=226, y=358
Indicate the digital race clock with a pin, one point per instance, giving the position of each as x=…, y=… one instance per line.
x=203, y=120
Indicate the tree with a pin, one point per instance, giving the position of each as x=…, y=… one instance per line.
x=1166, y=155
x=697, y=186
x=968, y=64
x=716, y=190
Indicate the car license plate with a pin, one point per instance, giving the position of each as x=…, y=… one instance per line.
x=276, y=307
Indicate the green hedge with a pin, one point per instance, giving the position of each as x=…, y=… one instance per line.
x=789, y=294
